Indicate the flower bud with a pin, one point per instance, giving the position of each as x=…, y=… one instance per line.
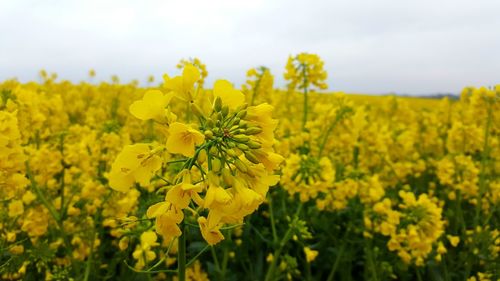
x=231, y=152
x=242, y=146
x=240, y=165
x=208, y=134
x=213, y=151
x=216, y=165
x=227, y=177
x=202, y=156
x=242, y=114
x=251, y=157
x=253, y=144
x=241, y=138
x=253, y=130
x=210, y=123
x=217, y=104
x=225, y=110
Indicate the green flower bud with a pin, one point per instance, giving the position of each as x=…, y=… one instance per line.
x=217, y=104
x=210, y=123
x=242, y=114
x=242, y=146
x=253, y=144
x=241, y=138
x=253, y=130
x=227, y=177
x=208, y=134
x=214, y=151
x=225, y=110
x=240, y=165
x=231, y=152
x=216, y=165
x=251, y=157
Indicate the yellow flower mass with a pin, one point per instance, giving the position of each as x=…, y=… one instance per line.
x=188, y=181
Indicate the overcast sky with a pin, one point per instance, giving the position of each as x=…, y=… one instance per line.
x=412, y=47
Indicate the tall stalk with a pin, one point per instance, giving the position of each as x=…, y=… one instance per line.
x=181, y=254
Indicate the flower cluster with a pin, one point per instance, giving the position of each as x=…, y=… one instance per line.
x=227, y=158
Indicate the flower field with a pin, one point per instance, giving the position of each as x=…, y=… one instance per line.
x=181, y=180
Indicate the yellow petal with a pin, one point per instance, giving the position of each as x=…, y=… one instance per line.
x=157, y=209
x=152, y=106
x=190, y=74
x=229, y=95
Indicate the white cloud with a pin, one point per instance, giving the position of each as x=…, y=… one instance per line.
x=368, y=46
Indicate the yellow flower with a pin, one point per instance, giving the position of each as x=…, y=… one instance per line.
x=148, y=239
x=210, y=231
x=183, y=85
x=229, y=95
x=310, y=254
x=180, y=194
x=454, y=240
x=16, y=208
x=183, y=139
x=135, y=163
x=151, y=106
x=168, y=216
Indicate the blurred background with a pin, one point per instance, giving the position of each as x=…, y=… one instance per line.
x=374, y=47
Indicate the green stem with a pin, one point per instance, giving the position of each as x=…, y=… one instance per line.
x=216, y=262
x=88, y=264
x=225, y=257
x=286, y=238
x=181, y=254
x=273, y=222
x=419, y=276
x=371, y=261
x=325, y=137
x=336, y=263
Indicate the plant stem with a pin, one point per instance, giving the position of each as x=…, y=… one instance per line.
x=216, y=262
x=273, y=223
x=286, y=238
x=336, y=263
x=181, y=254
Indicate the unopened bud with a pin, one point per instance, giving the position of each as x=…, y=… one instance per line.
x=242, y=114
x=231, y=152
x=227, y=177
x=241, y=138
x=217, y=104
x=202, y=156
x=216, y=165
x=208, y=134
x=242, y=107
x=219, y=118
x=253, y=130
x=251, y=157
x=253, y=144
x=210, y=123
x=225, y=110
x=240, y=165
x=235, y=121
x=213, y=151
x=242, y=146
